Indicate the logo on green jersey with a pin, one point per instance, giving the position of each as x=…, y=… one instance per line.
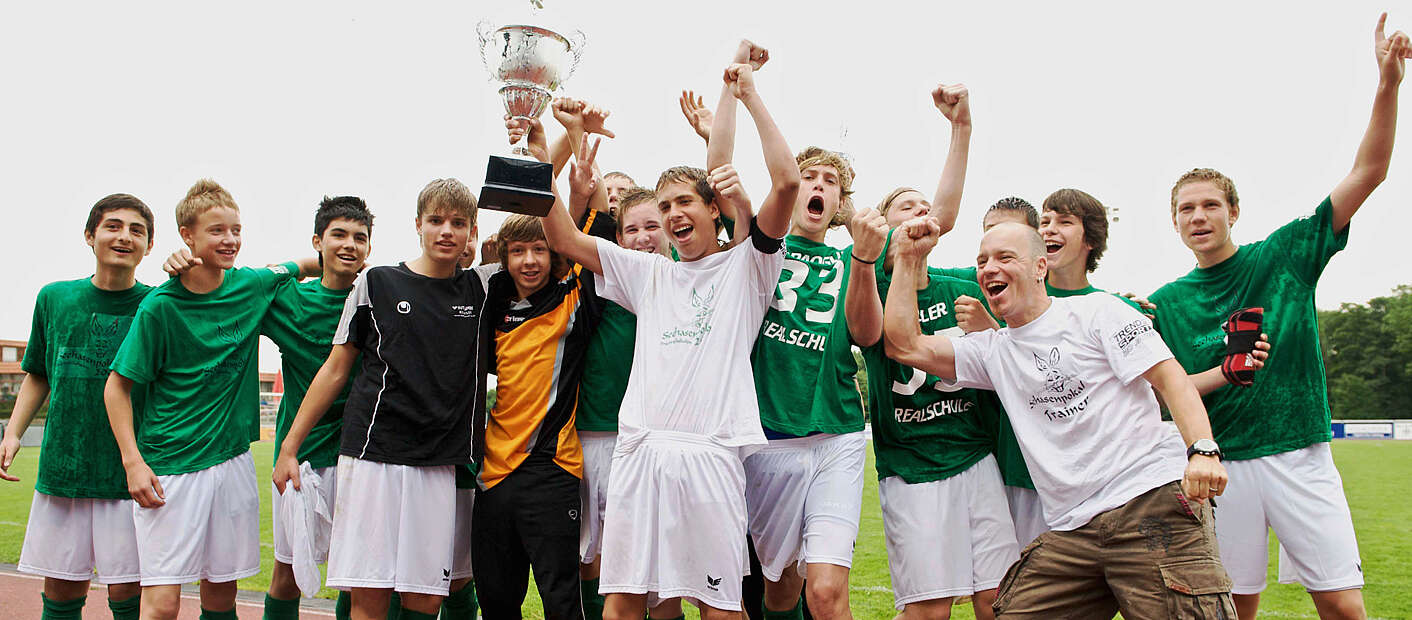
x=705, y=306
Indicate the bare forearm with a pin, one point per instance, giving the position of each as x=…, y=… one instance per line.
x=720, y=147
x=1182, y=400
x=34, y=390
x=562, y=150
x=1208, y=381
x=117, y=398
x=309, y=267
x=901, y=331
x=565, y=238
x=784, y=172
x=861, y=305
x=323, y=390
x=953, y=177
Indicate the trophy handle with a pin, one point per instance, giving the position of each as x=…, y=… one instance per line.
x=577, y=40
x=483, y=31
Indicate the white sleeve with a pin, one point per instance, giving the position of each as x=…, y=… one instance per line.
x=971, y=352
x=357, y=298
x=483, y=273
x=625, y=274
x=766, y=268
x=1128, y=340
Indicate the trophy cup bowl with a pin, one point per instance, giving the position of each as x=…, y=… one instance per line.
x=531, y=62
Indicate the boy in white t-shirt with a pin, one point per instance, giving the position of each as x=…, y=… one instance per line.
x=1130, y=529
x=675, y=522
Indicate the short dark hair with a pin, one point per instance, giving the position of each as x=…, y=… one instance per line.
x=1090, y=213
x=1020, y=205
x=114, y=202
x=342, y=207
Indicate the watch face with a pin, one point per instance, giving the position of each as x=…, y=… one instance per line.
x=1205, y=445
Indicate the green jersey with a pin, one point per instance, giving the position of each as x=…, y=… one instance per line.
x=609, y=363
x=1288, y=406
x=922, y=430
x=960, y=273
x=301, y=322
x=198, y=353
x=1064, y=292
x=76, y=331
x=803, y=359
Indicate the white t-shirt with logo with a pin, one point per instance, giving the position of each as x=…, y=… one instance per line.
x=1089, y=427
x=696, y=325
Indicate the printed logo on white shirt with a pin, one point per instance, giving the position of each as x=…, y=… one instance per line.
x=1063, y=395
x=692, y=334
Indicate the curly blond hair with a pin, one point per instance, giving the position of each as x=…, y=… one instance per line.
x=818, y=156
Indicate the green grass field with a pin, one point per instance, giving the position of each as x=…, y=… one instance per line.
x=1375, y=473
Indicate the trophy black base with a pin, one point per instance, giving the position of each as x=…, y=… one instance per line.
x=518, y=186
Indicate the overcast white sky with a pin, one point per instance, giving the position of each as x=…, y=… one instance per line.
x=286, y=102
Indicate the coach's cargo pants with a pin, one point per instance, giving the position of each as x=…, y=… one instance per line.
x=1154, y=557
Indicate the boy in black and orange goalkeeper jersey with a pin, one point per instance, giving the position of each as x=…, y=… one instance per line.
x=527, y=509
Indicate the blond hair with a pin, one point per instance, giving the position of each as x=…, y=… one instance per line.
x=633, y=197
x=891, y=196
x=1207, y=175
x=818, y=156
x=449, y=195
x=205, y=195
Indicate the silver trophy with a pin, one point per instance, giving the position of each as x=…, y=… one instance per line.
x=530, y=62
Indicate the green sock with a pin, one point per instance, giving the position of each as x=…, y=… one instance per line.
x=592, y=600
x=408, y=614
x=394, y=607
x=281, y=609
x=228, y=614
x=62, y=610
x=794, y=614
x=343, y=609
x=461, y=604
x=126, y=610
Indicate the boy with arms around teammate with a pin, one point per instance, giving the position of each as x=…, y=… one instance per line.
x=948, y=527
x=689, y=411
x=188, y=465
x=1275, y=432
x=1130, y=527
x=301, y=322
x=80, y=525
x=601, y=396
x=407, y=421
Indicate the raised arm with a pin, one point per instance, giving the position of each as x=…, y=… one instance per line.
x=142, y=484
x=774, y=215
x=560, y=230
x=1205, y=476
x=861, y=305
x=954, y=102
x=903, y=339
x=1370, y=165
x=34, y=390
x=323, y=390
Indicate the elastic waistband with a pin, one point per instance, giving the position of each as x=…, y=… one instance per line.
x=677, y=438
x=807, y=441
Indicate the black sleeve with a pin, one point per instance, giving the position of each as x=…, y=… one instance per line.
x=763, y=242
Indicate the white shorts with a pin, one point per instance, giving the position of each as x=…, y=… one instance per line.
x=1026, y=513
x=461, y=548
x=804, y=496
x=393, y=527
x=81, y=539
x=208, y=529
x=675, y=523
x=593, y=494
x=1299, y=494
x=284, y=551
x=947, y=538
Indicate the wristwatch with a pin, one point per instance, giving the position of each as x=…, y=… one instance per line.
x=1205, y=447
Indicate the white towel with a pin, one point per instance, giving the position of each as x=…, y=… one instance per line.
x=301, y=511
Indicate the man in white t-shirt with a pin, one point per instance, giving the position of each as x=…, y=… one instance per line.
x=1130, y=528
x=675, y=521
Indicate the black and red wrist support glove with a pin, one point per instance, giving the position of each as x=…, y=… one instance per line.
x=1242, y=329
